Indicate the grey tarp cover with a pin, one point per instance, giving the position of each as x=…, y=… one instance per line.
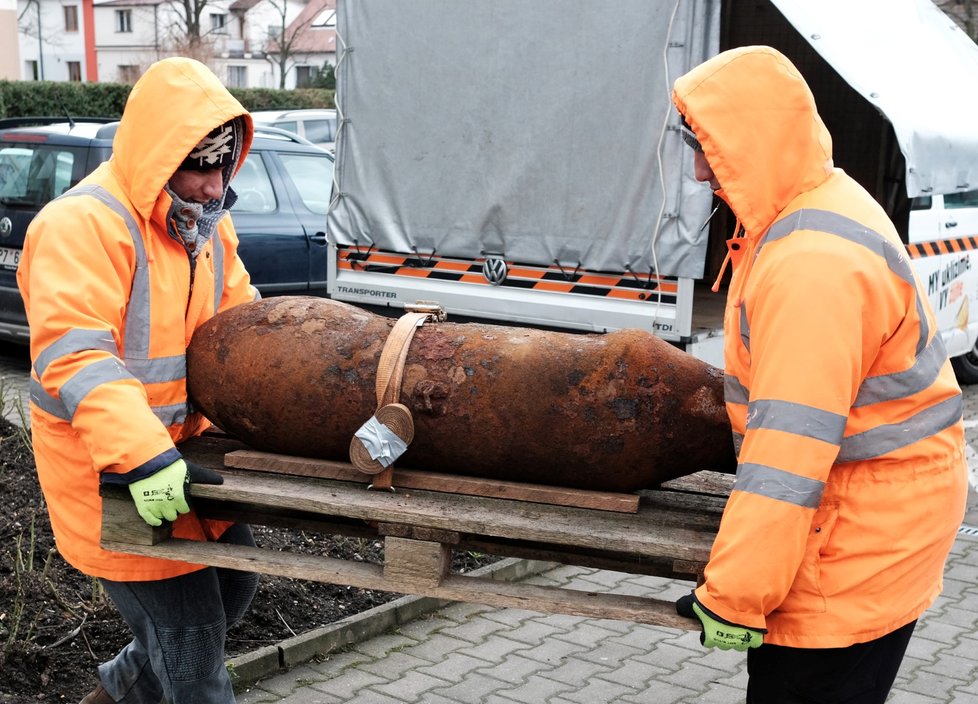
x=917, y=67
x=530, y=129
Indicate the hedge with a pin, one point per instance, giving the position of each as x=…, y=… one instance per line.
x=32, y=98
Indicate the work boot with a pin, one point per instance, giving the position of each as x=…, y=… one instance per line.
x=98, y=696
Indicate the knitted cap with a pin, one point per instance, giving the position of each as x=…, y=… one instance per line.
x=688, y=135
x=214, y=151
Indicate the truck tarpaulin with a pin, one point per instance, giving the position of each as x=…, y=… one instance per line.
x=536, y=131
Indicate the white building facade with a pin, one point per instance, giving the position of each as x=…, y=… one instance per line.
x=116, y=40
x=51, y=40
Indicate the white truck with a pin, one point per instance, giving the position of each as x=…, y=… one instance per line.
x=519, y=162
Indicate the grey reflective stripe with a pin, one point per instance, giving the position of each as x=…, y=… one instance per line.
x=136, y=343
x=45, y=401
x=158, y=371
x=796, y=419
x=75, y=341
x=738, y=441
x=218, y=270
x=734, y=391
x=834, y=224
x=887, y=438
x=95, y=374
x=172, y=414
x=168, y=415
x=779, y=485
x=136, y=359
x=744, y=326
x=920, y=376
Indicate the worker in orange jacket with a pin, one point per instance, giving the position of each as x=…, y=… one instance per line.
x=851, y=479
x=116, y=275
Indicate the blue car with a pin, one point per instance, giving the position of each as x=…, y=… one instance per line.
x=283, y=188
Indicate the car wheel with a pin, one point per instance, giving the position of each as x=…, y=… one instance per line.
x=966, y=367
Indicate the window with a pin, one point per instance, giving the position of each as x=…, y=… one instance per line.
x=237, y=76
x=326, y=18
x=30, y=70
x=35, y=175
x=312, y=176
x=123, y=21
x=128, y=73
x=318, y=131
x=304, y=76
x=254, y=187
x=219, y=23
x=74, y=70
x=968, y=199
x=71, y=18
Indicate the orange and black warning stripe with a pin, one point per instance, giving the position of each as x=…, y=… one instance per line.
x=638, y=287
x=938, y=247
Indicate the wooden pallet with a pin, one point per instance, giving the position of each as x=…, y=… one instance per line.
x=669, y=534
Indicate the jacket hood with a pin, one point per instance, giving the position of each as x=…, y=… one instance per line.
x=170, y=109
x=757, y=123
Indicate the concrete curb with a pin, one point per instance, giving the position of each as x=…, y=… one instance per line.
x=272, y=659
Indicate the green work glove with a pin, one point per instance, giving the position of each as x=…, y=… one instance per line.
x=718, y=633
x=161, y=495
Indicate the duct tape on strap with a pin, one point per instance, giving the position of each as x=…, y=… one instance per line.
x=382, y=439
x=380, y=442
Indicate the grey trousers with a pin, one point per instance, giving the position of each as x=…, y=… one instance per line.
x=179, y=624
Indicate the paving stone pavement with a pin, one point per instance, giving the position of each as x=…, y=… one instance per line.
x=472, y=654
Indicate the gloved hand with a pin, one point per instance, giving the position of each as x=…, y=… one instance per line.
x=717, y=632
x=161, y=495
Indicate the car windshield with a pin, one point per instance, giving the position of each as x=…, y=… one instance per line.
x=34, y=174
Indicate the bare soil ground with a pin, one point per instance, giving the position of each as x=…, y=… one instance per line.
x=57, y=625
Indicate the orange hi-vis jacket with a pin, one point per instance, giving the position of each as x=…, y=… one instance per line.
x=112, y=305
x=851, y=479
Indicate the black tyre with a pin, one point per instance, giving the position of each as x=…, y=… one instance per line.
x=966, y=367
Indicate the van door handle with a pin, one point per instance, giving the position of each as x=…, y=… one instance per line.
x=950, y=223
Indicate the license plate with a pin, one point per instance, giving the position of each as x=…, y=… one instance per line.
x=9, y=258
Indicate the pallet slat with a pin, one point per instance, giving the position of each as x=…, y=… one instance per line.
x=640, y=533
x=434, y=481
x=478, y=590
x=669, y=534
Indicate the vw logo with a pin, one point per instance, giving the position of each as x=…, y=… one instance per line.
x=495, y=270
x=6, y=227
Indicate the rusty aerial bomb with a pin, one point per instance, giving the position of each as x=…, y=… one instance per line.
x=618, y=411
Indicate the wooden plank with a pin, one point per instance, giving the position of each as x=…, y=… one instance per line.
x=584, y=557
x=122, y=523
x=434, y=481
x=479, y=590
x=398, y=530
x=642, y=533
x=419, y=563
x=704, y=482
